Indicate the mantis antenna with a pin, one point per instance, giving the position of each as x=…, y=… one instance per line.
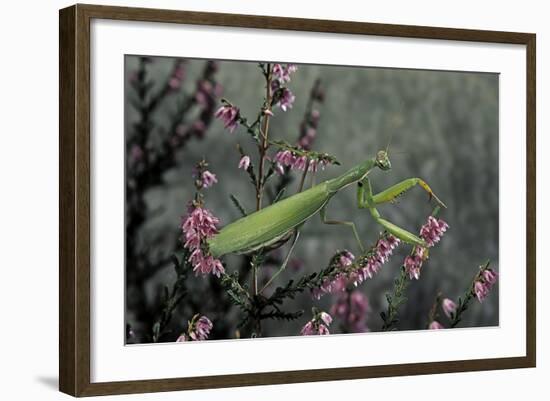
x=389, y=142
x=397, y=122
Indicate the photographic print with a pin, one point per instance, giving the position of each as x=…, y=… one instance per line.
x=273, y=199
x=276, y=200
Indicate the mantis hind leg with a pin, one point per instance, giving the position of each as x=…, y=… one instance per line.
x=366, y=200
x=285, y=261
x=351, y=224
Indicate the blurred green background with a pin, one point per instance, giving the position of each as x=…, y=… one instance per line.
x=445, y=130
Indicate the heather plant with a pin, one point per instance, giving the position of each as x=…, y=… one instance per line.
x=254, y=290
x=152, y=151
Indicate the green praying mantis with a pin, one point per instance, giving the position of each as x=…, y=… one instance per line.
x=281, y=220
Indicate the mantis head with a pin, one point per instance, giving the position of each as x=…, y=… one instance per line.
x=382, y=160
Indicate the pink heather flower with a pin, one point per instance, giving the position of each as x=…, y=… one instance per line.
x=449, y=307
x=286, y=99
x=412, y=266
x=136, y=154
x=323, y=330
x=208, y=179
x=205, y=264
x=199, y=225
x=201, y=98
x=278, y=71
x=433, y=230
x=435, y=325
x=275, y=85
x=367, y=266
x=291, y=68
x=198, y=128
x=490, y=276
x=217, y=268
x=283, y=73
x=340, y=308
x=304, y=143
x=177, y=77
x=307, y=135
x=379, y=255
x=325, y=288
x=174, y=83
x=313, y=165
x=346, y=259
x=229, y=115
x=360, y=301
x=299, y=163
x=200, y=329
x=268, y=112
x=325, y=317
x=484, y=283
x=182, y=338
x=315, y=115
x=308, y=329
x=204, y=93
x=284, y=157
x=287, y=158
x=352, y=308
x=200, y=222
x=338, y=283
x=244, y=162
x=318, y=325
x=279, y=169
x=481, y=290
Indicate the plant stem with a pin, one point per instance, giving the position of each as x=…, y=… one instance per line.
x=433, y=315
x=395, y=300
x=468, y=296
x=303, y=179
x=462, y=308
x=264, y=144
x=262, y=147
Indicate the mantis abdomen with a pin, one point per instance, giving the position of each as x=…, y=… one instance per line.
x=269, y=225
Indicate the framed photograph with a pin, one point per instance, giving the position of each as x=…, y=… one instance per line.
x=250, y=200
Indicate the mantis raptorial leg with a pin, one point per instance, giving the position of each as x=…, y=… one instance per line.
x=351, y=224
x=393, y=192
x=366, y=200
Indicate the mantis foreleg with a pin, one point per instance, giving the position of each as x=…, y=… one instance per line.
x=393, y=192
x=324, y=219
x=366, y=200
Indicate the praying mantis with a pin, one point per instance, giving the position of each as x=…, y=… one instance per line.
x=278, y=222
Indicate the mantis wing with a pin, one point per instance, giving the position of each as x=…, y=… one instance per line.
x=269, y=225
